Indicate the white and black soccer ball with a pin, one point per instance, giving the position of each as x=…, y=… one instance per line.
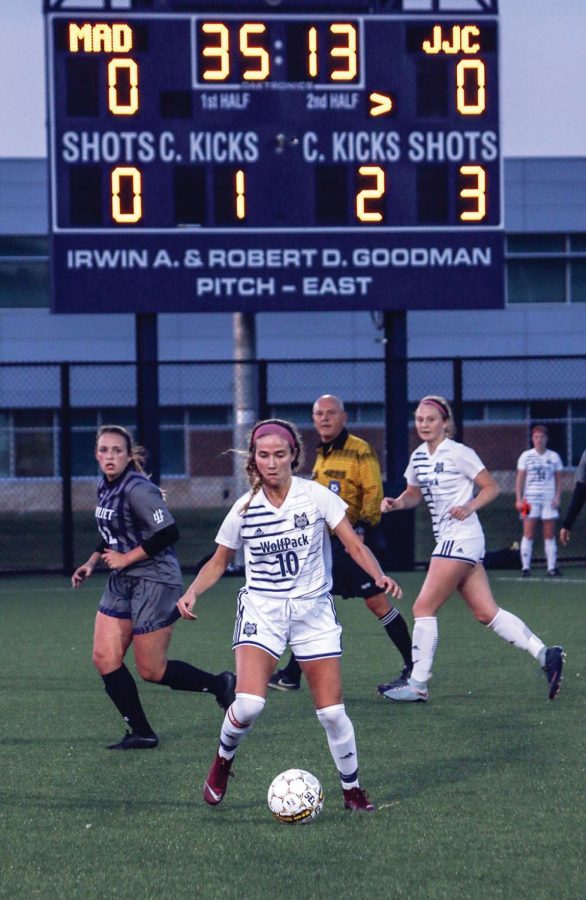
x=295, y=796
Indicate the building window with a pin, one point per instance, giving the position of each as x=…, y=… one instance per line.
x=546, y=268
x=536, y=281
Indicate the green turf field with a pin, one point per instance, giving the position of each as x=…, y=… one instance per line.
x=480, y=791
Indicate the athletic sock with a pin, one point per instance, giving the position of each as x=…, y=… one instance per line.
x=121, y=689
x=514, y=630
x=182, y=676
x=396, y=628
x=425, y=638
x=551, y=553
x=526, y=552
x=341, y=741
x=239, y=719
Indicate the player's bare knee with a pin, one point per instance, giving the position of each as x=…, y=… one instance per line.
x=151, y=670
x=378, y=604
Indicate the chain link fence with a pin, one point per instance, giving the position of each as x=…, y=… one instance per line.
x=49, y=414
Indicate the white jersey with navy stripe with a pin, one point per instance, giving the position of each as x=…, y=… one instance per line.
x=287, y=550
x=540, y=469
x=446, y=479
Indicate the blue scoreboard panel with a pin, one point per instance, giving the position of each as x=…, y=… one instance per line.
x=208, y=162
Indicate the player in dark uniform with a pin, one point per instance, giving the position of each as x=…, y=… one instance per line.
x=138, y=605
x=577, y=501
x=348, y=466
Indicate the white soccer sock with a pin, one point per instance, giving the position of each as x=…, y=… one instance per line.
x=551, y=553
x=526, y=552
x=514, y=630
x=424, y=645
x=239, y=719
x=341, y=741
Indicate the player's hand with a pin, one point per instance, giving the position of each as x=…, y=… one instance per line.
x=113, y=559
x=185, y=606
x=388, y=504
x=565, y=535
x=519, y=505
x=80, y=575
x=389, y=586
x=460, y=512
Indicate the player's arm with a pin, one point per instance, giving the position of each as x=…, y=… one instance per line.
x=371, y=486
x=207, y=576
x=488, y=491
x=558, y=489
x=576, y=503
x=84, y=571
x=410, y=497
x=520, y=488
x=361, y=554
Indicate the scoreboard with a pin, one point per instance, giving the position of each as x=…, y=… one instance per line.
x=277, y=161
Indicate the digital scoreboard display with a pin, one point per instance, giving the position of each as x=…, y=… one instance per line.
x=205, y=162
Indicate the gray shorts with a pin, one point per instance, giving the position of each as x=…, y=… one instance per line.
x=150, y=605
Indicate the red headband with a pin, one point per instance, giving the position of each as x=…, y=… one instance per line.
x=439, y=405
x=274, y=428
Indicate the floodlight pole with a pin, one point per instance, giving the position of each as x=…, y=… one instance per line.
x=245, y=398
x=398, y=527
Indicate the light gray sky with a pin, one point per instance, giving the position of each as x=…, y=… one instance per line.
x=543, y=78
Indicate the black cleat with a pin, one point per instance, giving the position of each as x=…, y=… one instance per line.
x=132, y=741
x=525, y=573
x=403, y=678
x=280, y=681
x=554, y=663
x=554, y=573
x=226, y=695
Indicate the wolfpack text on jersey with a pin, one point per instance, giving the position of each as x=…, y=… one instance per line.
x=286, y=549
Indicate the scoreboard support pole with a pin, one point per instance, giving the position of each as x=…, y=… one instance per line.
x=398, y=527
x=147, y=390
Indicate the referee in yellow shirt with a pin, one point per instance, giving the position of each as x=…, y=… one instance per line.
x=349, y=466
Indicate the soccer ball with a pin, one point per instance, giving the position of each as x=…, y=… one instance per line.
x=295, y=796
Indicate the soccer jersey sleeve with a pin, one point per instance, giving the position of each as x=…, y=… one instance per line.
x=372, y=488
x=149, y=508
x=581, y=470
x=230, y=532
x=522, y=461
x=469, y=462
x=331, y=505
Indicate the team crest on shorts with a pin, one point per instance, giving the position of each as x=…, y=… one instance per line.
x=334, y=486
x=249, y=628
x=301, y=521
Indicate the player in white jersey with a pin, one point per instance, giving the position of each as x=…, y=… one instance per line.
x=538, y=493
x=445, y=474
x=283, y=524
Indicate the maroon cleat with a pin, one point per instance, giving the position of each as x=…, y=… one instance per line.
x=357, y=798
x=217, y=781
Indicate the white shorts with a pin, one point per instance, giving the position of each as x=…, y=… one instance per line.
x=542, y=509
x=310, y=627
x=468, y=550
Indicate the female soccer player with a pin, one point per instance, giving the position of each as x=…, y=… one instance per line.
x=138, y=605
x=283, y=525
x=444, y=473
x=538, y=490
